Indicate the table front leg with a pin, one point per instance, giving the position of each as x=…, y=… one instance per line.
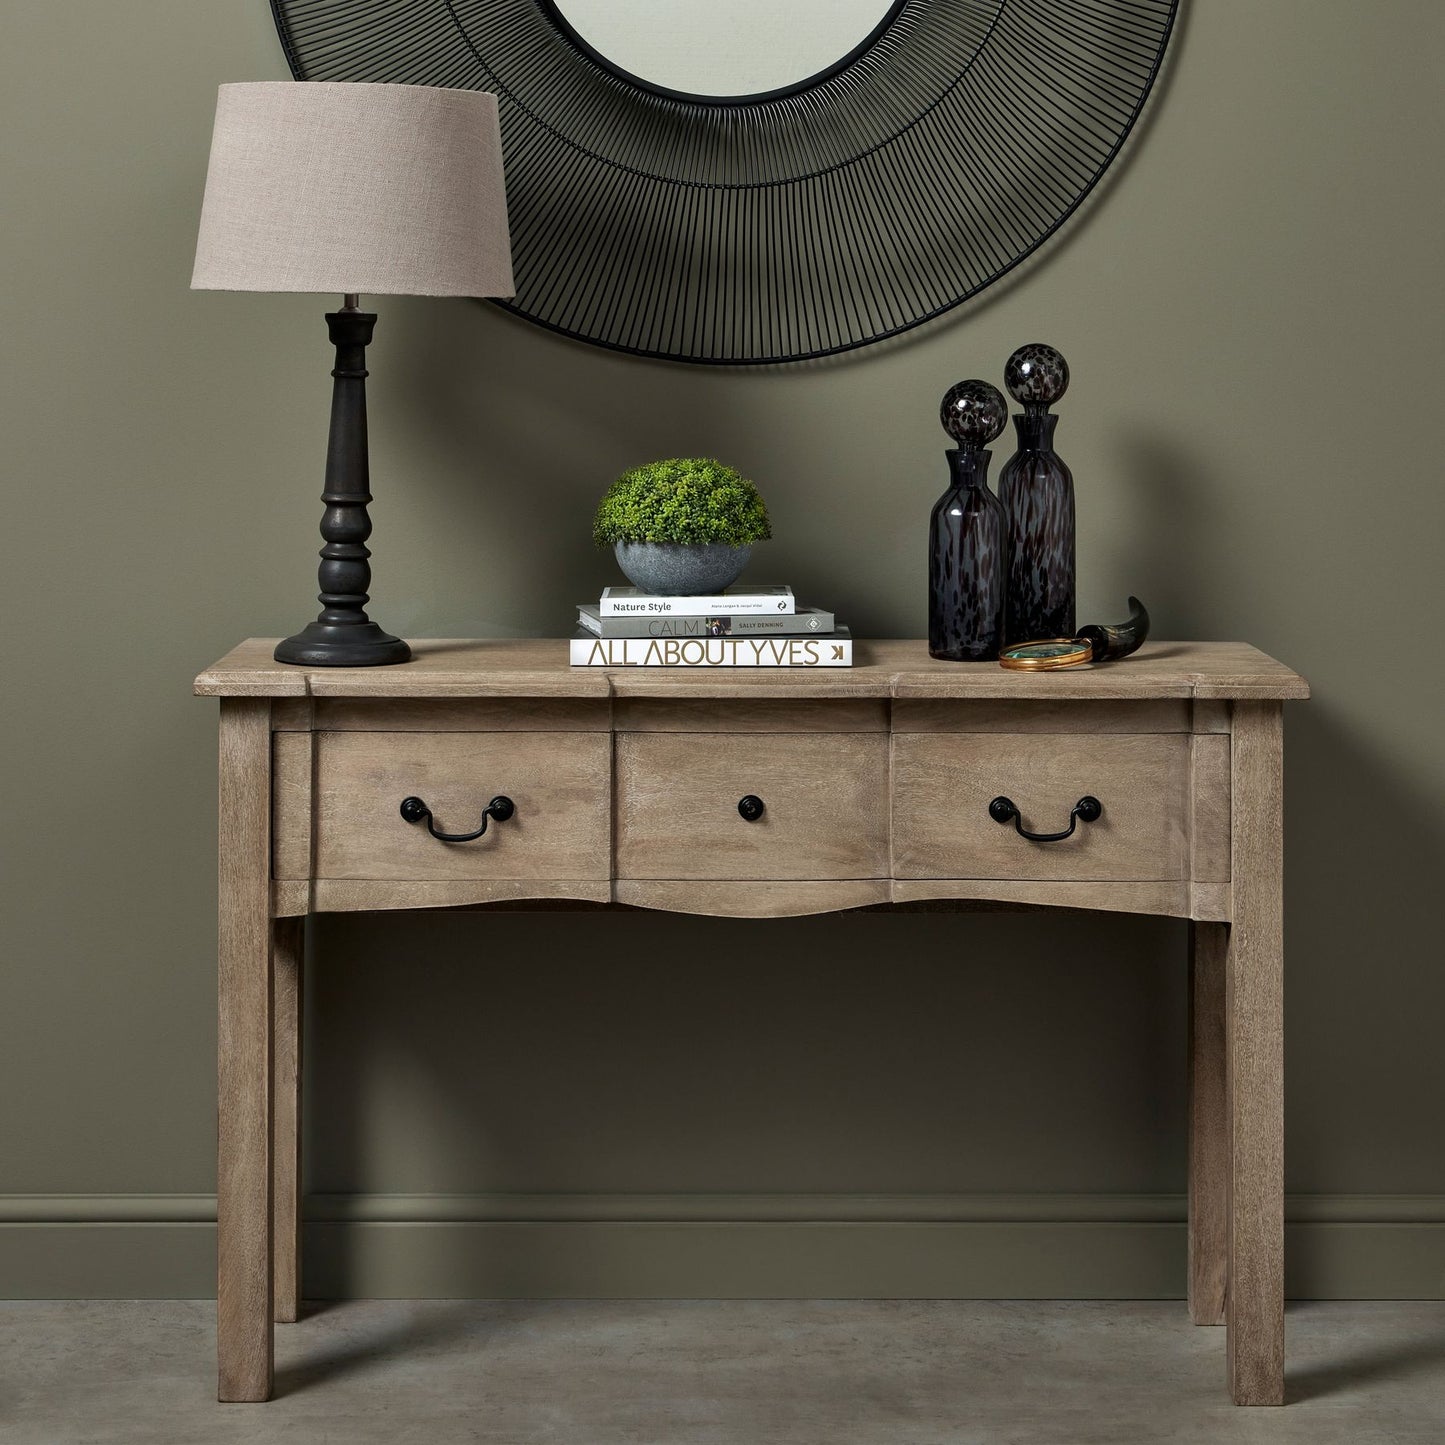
x=1254, y=1013
x=1208, y=1125
x=287, y=983
x=243, y=1174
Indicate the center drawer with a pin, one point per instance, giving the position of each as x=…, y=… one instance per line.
x=824, y=797
x=944, y=783
x=558, y=781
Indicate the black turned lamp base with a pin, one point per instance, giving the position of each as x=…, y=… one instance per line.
x=343, y=635
x=349, y=644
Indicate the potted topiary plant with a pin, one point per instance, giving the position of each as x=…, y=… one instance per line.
x=686, y=525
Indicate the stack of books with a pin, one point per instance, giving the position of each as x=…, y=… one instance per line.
x=741, y=627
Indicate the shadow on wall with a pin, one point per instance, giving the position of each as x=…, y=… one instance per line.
x=520, y=433
x=1364, y=848
x=1364, y=852
x=603, y=1053
x=628, y=1052
x=618, y=1053
x=1168, y=524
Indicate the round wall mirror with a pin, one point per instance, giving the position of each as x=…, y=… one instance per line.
x=738, y=182
x=724, y=49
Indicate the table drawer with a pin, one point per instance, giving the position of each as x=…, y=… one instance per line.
x=943, y=785
x=825, y=806
x=559, y=782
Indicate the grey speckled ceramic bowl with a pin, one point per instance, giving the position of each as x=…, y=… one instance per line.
x=678, y=569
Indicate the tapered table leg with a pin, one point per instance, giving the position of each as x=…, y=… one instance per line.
x=286, y=969
x=1254, y=1013
x=1208, y=1125
x=243, y=1175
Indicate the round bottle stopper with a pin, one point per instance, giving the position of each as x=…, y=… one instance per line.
x=1036, y=375
x=973, y=414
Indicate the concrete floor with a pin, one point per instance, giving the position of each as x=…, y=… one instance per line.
x=722, y=1372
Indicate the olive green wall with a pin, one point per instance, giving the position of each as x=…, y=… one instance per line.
x=989, y=1103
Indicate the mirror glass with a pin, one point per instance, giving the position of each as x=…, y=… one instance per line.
x=719, y=48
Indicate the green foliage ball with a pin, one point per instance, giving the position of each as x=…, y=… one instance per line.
x=684, y=499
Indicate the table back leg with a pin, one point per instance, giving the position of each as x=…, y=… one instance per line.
x=1208, y=1125
x=287, y=983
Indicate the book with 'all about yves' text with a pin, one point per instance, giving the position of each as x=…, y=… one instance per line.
x=834, y=650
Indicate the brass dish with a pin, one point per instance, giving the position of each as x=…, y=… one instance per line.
x=1047, y=655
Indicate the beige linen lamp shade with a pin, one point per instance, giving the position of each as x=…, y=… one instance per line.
x=354, y=188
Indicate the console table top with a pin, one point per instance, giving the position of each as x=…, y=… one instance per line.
x=538, y=667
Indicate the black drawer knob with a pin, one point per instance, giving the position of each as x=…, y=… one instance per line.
x=751, y=808
x=1087, y=810
x=415, y=811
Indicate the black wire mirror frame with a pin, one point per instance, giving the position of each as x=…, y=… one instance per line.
x=927, y=163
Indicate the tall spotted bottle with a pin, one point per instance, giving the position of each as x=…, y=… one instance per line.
x=1037, y=492
x=967, y=547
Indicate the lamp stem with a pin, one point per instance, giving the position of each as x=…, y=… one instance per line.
x=343, y=635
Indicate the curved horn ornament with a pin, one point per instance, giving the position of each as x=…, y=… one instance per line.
x=1112, y=643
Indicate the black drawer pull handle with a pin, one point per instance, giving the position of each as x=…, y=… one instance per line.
x=415, y=811
x=1086, y=810
x=751, y=808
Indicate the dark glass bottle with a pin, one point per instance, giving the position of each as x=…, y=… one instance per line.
x=967, y=552
x=1037, y=492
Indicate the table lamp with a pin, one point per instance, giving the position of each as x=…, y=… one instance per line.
x=352, y=188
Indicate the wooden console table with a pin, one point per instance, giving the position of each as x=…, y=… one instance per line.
x=758, y=793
